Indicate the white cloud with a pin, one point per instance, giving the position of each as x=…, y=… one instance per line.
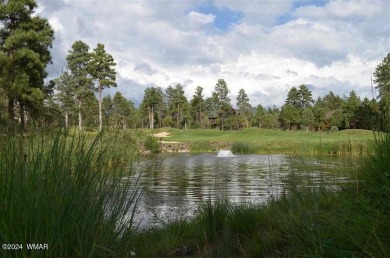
x=201, y=18
x=56, y=24
x=161, y=43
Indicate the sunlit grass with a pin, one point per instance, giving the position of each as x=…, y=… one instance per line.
x=264, y=141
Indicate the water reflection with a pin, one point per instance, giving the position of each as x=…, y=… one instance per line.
x=174, y=184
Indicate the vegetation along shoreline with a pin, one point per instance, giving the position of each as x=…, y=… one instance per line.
x=74, y=180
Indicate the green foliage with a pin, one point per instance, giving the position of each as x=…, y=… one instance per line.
x=100, y=68
x=151, y=144
x=244, y=105
x=25, y=40
x=178, y=107
x=242, y=148
x=382, y=79
x=201, y=147
x=375, y=173
x=64, y=191
x=289, y=115
x=78, y=59
x=299, y=98
x=333, y=129
x=337, y=118
x=152, y=102
x=221, y=101
x=197, y=108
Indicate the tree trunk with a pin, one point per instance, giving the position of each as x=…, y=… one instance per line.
x=200, y=115
x=11, y=113
x=22, y=120
x=177, y=117
x=100, y=109
x=80, y=117
x=152, y=117
x=66, y=119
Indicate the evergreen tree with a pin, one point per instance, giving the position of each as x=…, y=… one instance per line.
x=382, y=80
x=152, y=100
x=65, y=94
x=244, y=105
x=101, y=69
x=260, y=116
x=78, y=60
x=25, y=40
x=121, y=110
x=289, y=115
x=177, y=103
x=332, y=102
x=319, y=114
x=222, y=101
x=197, y=107
x=350, y=108
x=107, y=109
x=307, y=118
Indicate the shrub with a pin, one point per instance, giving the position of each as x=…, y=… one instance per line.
x=241, y=148
x=151, y=144
x=333, y=129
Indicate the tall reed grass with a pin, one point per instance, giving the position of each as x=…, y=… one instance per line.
x=328, y=148
x=63, y=191
x=201, y=147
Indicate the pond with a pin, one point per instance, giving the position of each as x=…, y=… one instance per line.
x=175, y=184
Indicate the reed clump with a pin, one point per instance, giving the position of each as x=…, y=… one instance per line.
x=242, y=148
x=201, y=147
x=59, y=190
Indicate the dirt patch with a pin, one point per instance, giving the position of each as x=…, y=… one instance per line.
x=168, y=142
x=162, y=134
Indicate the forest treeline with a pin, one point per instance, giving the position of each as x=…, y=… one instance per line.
x=75, y=97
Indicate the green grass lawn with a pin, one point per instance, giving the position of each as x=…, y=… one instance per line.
x=256, y=135
x=277, y=141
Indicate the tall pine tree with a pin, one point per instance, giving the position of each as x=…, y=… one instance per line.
x=25, y=40
x=102, y=72
x=78, y=60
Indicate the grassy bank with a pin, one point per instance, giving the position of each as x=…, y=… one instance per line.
x=350, y=221
x=264, y=141
x=65, y=191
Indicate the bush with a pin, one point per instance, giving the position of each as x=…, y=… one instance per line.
x=333, y=129
x=241, y=148
x=151, y=144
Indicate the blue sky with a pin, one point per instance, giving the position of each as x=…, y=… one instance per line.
x=224, y=17
x=263, y=46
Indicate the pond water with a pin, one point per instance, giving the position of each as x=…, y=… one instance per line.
x=175, y=184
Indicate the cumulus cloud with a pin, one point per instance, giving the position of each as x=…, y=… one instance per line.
x=201, y=18
x=273, y=46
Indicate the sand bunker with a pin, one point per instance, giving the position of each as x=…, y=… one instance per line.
x=162, y=134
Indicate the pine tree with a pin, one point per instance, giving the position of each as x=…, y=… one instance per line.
x=197, y=106
x=100, y=68
x=25, y=40
x=177, y=103
x=222, y=101
x=78, y=60
x=243, y=105
x=65, y=94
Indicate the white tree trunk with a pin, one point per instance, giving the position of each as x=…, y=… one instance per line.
x=66, y=119
x=80, y=117
x=100, y=109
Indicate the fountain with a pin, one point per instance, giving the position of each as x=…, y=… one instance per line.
x=225, y=154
